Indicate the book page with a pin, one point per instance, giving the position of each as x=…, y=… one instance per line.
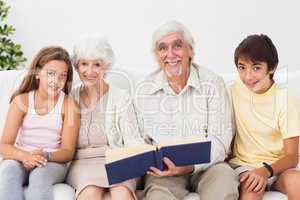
x=112, y=155
x=177, y=141
x=183, y=152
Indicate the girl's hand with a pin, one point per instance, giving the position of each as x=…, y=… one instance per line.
x=255, y=180
x=34, y=160
x=38, y=152
x=28, y=166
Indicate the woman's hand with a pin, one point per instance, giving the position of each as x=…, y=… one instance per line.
x=255, y=180
x=172, y=170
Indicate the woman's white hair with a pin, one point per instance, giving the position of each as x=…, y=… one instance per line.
x=93, y=47
x=172, y=27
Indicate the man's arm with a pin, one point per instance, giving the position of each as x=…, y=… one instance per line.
x=219, y=122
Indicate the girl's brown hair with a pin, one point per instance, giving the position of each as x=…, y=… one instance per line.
x=44, y=56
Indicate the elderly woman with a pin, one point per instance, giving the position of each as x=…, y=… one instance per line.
x=108, y=120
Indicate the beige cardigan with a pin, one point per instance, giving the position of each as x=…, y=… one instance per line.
x=121, y=124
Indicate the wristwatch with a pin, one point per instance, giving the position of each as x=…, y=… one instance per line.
x=269, y=168
x=47, y=155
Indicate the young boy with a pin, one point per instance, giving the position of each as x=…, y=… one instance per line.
x=265, y=151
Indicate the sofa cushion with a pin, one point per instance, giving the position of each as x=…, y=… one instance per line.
x=194, y=196
x=274, y=196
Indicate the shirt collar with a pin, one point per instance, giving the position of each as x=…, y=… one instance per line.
x=161, y=83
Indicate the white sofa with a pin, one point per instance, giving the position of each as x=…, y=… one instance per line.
x=9, y=80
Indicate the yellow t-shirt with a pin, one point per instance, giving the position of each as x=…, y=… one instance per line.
x=263, y=121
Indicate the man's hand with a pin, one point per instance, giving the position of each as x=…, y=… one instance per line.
x=172, y=170
x=255, y=180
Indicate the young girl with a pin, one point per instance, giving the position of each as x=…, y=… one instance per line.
x=41, y=129
x=267, y=119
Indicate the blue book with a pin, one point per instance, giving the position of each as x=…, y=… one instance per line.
x=131, y=162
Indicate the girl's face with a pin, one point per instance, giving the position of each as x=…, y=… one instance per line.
x=255, y=75
x=91, y=72
x=53, y=76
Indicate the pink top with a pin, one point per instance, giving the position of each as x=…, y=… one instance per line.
x=41, y=131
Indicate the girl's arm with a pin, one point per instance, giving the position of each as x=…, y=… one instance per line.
x=17, y=111
x=70, y=129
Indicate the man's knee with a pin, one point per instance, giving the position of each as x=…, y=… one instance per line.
x=219, y=182
x=221, y=168
x=222, y=173
x=154, y=191
x=174, y=187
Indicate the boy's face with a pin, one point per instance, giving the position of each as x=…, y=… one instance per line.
x=255, y=75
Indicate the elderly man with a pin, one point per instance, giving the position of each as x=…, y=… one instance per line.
x=181, y=100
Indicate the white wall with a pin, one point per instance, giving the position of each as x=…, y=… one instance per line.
x=218, y=26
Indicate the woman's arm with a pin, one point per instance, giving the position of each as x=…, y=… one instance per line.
x=70, y=129
x=128, y=123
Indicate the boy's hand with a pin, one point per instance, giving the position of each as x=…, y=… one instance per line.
x=255, y=180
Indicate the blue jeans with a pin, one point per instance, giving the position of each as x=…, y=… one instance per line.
x=40, y=180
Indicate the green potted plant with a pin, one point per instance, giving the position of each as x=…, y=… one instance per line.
x=11, y=55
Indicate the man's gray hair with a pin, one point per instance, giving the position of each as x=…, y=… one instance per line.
x=172, y=27
x=93, y=47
